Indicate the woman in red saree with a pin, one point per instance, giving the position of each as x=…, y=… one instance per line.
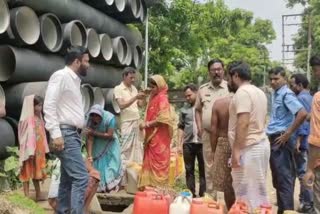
x=158, y=128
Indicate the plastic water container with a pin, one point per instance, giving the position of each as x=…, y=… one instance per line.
x=198, y=206
x=181, y=205
x=141, y=204
x=158, y=205
x=239, y=207
x=215, y=208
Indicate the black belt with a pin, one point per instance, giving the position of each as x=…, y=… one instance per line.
x=273, y=137
x=73, y=128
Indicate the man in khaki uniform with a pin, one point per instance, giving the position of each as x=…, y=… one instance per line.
x=207, y=95
x=129, y=101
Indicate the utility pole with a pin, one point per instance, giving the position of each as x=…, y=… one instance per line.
x=146, y=51
x=288, y=21
x=309, y=46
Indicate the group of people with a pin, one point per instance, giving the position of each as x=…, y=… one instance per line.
x=90, y=155
x=224, y=126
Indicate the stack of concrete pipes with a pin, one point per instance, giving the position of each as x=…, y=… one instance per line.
x=35, y=34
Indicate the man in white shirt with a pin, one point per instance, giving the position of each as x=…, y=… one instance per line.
x=64, y=116
x=129, y=101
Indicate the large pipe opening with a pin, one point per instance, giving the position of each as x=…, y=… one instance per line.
x=120, y=49
x=51, y=32
x=24, y=25
x=135, y=7
x=120, y=5
x=110, y=102
x=142, y=11
x=75, y=34
x=106, y=47
x=87, y=96
x=128, y=59
x=109, y=2
x=94, y=45
x=7, y=63
x=4, y=16
x=2, y=97
x=98, y=96
x=137, y=56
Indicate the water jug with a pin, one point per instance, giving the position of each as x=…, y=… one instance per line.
x=158, y=205
x=181, y=205
x=141, y=203
x=215, y=208
x=198, y=206
x=239, y=207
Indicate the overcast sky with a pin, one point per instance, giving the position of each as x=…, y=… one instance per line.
x=272, y=10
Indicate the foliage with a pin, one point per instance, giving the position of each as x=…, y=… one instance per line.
x=301, y=38
x=10, y=167
x=24, y=203
x=185, y=34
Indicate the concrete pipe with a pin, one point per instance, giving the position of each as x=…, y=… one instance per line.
x=131, y=13
x=128, y=60
x=51, y=36
x=2, y=97
x=25, y=65
x=16, y=93
x=14, y=125
x=108, y=7
x=24, y=28
x=143, y=11
x=106, y=47
x=75, y=9
x=98, y=96
x=4, y=16
x=137, y=57
x=110, y=102
x=87, y=96
x=120, y=49
x=7, y=138
x=74, y=34
x=94, y=45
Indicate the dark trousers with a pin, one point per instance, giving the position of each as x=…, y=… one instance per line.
x=301, y=160
x=283, y=173
x=191, y=151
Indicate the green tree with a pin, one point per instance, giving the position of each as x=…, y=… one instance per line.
x=184, y=35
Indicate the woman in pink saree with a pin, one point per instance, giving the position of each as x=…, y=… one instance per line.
x=158, y=128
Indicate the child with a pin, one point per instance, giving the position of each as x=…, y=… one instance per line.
x=33, y=144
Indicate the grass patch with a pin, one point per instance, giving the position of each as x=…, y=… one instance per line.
x=23, y=202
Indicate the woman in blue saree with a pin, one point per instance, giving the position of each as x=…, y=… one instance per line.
x=103, y=148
